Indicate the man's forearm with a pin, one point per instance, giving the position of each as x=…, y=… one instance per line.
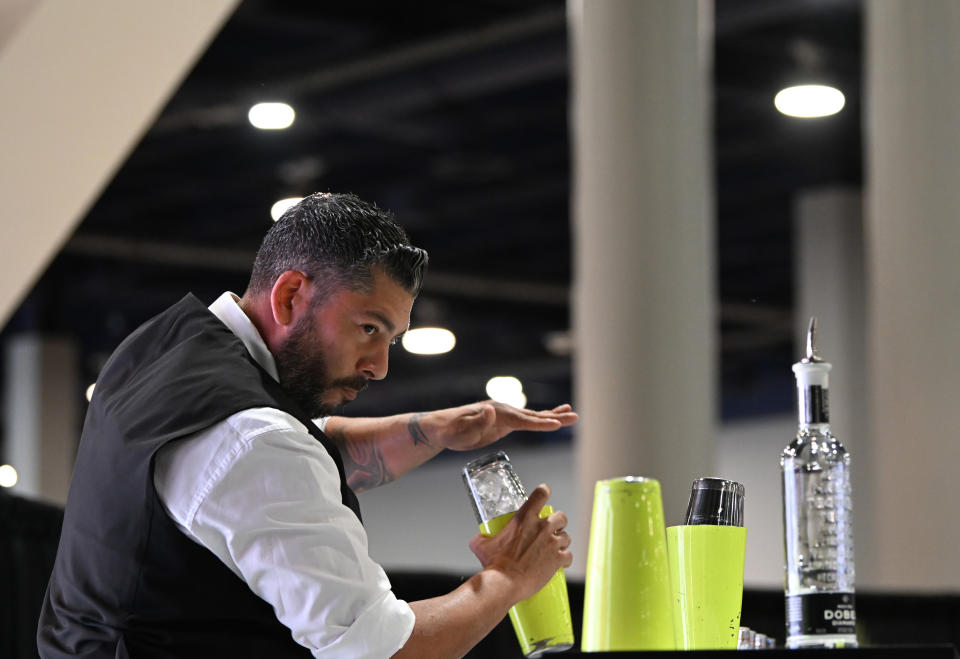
x=378, y=450
x=450, y=625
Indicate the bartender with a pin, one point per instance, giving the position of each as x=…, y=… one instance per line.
x=210, y=516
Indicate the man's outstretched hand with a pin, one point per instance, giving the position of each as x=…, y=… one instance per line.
x=378, y=450
x=474, y=426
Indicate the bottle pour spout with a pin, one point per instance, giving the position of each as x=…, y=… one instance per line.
x=812, y=356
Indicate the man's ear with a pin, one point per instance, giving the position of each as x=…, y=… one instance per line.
x=289, y=295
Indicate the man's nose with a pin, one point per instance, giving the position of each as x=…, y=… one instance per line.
x=376, y=363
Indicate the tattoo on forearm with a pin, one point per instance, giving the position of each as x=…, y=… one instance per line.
x=362, y=462
x=416, y=432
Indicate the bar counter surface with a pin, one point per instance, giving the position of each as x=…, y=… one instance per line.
x=874, y=652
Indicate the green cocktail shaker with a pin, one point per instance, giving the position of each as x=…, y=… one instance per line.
x=627, y=603
x=706, y=557
x=542, y=623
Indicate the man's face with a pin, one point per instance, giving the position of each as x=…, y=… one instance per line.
x=335, y=348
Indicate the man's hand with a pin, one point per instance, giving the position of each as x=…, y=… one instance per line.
x=517, y=562
x=528, y=550
x=378, y=450
x=474, y=426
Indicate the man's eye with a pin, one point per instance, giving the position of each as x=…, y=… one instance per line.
x=369, y=330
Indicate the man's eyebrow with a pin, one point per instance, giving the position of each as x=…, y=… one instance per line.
x=383, y=319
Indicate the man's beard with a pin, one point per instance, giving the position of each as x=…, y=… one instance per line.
x=303, y=374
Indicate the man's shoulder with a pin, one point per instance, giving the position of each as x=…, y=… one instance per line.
x=186, y=329
x=196, y=461
x=260, y=420
x=227, y=439
x=184, y=360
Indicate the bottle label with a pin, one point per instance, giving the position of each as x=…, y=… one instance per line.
x=814, y=405
x=821, y=613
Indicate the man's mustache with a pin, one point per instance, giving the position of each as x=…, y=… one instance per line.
x=357, y=383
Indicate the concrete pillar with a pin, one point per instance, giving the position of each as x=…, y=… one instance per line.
x=913, y=232
x=41, y=416
x=644, y=308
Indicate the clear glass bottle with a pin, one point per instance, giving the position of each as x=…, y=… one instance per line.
x=817, y=518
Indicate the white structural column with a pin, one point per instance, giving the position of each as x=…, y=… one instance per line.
x=644, y=309
x=830, y=284
x=913, y=233
x=41, y=416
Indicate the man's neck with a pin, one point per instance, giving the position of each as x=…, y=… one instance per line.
x=255, y=308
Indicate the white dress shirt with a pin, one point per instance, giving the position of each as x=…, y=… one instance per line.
x=264, y=496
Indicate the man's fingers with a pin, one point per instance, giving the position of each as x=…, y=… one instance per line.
x=557, y=522
x=546, y=419
x=563, y=414
x=536, y=501
x=541, y=423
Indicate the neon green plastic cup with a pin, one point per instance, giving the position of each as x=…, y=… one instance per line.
x=706, y=569
x=542, y=623
x=626, y=602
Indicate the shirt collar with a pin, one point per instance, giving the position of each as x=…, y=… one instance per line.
x=227, y=309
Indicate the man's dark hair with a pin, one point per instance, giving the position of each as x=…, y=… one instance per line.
x=337, y=240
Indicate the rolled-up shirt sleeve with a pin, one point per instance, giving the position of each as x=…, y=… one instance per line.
x=261, y=493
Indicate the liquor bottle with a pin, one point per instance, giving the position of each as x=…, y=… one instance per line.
x=817, y=518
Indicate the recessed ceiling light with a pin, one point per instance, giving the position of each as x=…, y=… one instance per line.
x=8, y=476
x=280, y=207
x=808, y=101
x=429, y=340
x=506, y=389
x=271, y=116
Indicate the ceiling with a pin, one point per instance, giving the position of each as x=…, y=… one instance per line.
x=455, y=117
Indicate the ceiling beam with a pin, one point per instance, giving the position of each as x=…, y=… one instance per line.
x=381, y=66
